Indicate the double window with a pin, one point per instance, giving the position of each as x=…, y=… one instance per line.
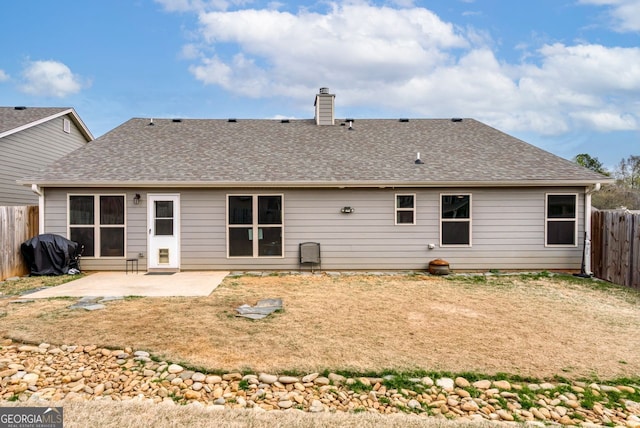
x=455, y=220
x=406, y=209
x=98, y=223
x=254, y=225
x=561, y=220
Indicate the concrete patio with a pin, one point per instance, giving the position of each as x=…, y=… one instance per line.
x=192, y=284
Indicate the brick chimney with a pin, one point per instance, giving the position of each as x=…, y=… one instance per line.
x=324, y=105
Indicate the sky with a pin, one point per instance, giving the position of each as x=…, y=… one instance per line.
x=563, y=75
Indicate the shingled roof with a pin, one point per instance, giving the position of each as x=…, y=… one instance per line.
x=15, y=119
x=299, y=153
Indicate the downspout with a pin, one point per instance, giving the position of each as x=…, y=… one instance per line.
x=587, y=227
x=40, y=192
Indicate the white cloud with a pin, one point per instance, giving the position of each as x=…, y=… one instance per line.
x=50, y=78
x=625, y=14
x=410, y=62
x=190, y=51
x=3, y=76
x=594, y=68
x=604, y=120
x=403, y=3
x=240, y=76
x=384, y=44
x=580, y=85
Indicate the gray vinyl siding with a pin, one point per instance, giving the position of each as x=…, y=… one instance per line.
x=30, y=150
x=508, y=229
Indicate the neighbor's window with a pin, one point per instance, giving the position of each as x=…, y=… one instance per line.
x=455, y=220
x=406, y=209
x=254, y=225
x=98, y=223
x=562, y=219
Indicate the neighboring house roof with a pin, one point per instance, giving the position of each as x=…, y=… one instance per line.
x=15, y=119
x=299, y=153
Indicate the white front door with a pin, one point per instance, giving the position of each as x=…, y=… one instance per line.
x=164, y=231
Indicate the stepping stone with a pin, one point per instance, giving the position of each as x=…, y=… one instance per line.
x=263, y=308
x=110, y=299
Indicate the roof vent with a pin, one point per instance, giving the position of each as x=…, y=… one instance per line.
x=418, y=160
x=403, y=119
x=284, y=121
x=151, y=122
x=176, y=120
x=456, y=119
x=232, y=120
x=19, y=108
x=324, y=90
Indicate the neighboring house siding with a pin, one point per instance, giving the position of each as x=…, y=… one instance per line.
x=508, y=229
x=30, y=150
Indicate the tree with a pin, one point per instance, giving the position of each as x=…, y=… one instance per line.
x=615, y=196
x=625, y=192
x=585, y=160
x=628, y=172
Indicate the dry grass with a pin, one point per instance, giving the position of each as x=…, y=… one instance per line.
x=534, y=327
x=130, y=414
x=28, y=283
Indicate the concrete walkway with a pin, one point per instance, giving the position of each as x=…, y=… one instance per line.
x=141, y=284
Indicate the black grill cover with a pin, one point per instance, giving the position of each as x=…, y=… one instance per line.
x=50, y=254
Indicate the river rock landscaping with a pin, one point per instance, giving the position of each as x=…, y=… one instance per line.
x=47, y=373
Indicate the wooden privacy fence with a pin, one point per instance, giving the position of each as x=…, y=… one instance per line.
x=17, y=224
x=615, y=247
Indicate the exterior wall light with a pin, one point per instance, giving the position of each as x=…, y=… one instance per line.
x=347, y=210
x=136, y=199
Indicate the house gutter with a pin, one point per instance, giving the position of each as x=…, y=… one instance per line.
x=40, y=192
x=587, y=227
x=315, y=184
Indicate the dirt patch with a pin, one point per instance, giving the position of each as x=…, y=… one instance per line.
x=536, y=327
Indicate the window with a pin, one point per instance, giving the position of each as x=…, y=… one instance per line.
x=163, y=218
x=406, y=209
x=561, y=222
x=455, y=220
x=66, y=126
x=98, y=223
x=254, y=225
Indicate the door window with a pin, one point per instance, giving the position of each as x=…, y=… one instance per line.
x=163, y=218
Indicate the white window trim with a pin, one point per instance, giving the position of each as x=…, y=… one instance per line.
x=255, y=225
x=414, y=209
x=66, y=125
x=96, y=223
x=547, y=220
x=452, y=220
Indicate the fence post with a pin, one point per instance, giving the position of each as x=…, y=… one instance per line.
x=616, y=247
x=16, y=226
x=635, y=252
